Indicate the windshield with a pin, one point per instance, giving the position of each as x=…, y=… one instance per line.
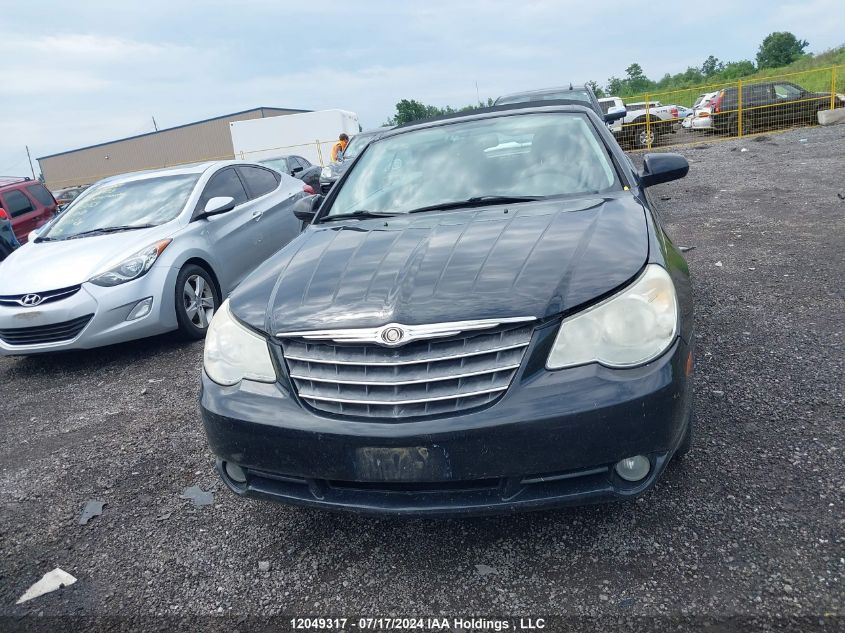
x=355, y=146
x=279, y=164
x=538, y=155
x=572, y=95
x=147, y=202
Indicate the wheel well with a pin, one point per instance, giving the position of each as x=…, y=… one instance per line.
x=196, y=261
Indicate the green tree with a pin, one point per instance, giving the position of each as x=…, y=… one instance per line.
x=735, y=70
x=409, y=110
x=711, y=66
x=636, y=81
x=779, y=49
x=596, y=88
x=615, y=86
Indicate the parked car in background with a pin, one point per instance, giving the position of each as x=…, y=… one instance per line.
x=700, y=118
x=768, y=105
x=644, y=124
x=67, y=195
x=462, y=330
x=683, y=112
x=331, y=172
x=576, y=94
x=144, y=253
x=8, y=241
x=296, y=166
x=28, y=204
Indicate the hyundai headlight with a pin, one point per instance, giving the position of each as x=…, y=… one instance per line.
x=234, y=352
x=132, y=267
x=631, y=328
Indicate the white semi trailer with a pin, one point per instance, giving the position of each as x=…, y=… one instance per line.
x=310, y=134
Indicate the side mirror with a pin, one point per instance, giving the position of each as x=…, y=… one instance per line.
x=306, y=208
x=659, y=168
x=217, y=205
x=614, y=113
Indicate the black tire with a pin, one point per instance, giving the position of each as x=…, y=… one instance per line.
x=194, y=325
x=686, y=442
x=641, y=131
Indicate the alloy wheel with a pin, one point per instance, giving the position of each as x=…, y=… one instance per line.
x=646, y=138
x=199, y=301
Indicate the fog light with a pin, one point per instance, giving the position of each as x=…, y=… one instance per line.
x=235, y=472
x=141, y=309
x=633, y=468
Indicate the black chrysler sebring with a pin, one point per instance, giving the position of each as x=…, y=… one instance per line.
x=484, y=315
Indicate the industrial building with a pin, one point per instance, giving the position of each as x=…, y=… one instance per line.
x=209, y=139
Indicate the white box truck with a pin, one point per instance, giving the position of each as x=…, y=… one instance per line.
x=310, y=134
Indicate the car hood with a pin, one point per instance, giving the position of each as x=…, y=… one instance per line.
x=536, y=259
x=37, y=267
x=337, y=169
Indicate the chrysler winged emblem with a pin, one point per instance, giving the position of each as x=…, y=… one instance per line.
x=396, y=334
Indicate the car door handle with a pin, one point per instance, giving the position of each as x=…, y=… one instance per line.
x=256, y=215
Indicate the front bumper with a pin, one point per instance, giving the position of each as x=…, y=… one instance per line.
x=551, y=440
x=326, y=185
x=109, y=308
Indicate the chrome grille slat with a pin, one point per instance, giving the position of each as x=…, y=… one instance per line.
x=426, y=377
x=307, y=396
x=394, y=363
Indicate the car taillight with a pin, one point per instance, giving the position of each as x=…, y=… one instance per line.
x=717, y=105
x=3, y=214
x=674, y=112
x=308, y=189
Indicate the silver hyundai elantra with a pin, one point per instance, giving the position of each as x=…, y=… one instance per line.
x=142, y=254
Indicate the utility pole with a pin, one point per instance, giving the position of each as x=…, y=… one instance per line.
x=477, y=94
x=155, y=125
x=31, y=168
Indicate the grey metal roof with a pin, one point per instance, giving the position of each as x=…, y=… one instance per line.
x=175, y=127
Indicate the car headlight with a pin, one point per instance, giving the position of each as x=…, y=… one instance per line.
x=131, y=267
x=234, y=352
x=631, y=328
x=326, y=172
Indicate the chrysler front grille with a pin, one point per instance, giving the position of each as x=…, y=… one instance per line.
x=429, y=377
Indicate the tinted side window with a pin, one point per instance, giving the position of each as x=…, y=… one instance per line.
x=758, y=92
x=304, y=162
x=223, y=183
x=16, y=203
x=41, y=194
x=787, y=91
x=259, y=181
x=605, y=106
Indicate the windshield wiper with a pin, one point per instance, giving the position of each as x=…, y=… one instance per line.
x=475, y=201
x=109, y=229
x=360, y=214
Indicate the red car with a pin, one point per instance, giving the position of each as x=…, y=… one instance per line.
x=28, y=204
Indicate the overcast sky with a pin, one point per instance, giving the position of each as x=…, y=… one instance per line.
x=79, y=73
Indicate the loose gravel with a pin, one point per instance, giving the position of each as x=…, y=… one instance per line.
x=751, y=525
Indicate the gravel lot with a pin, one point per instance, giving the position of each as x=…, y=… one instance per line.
x=752, y=523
